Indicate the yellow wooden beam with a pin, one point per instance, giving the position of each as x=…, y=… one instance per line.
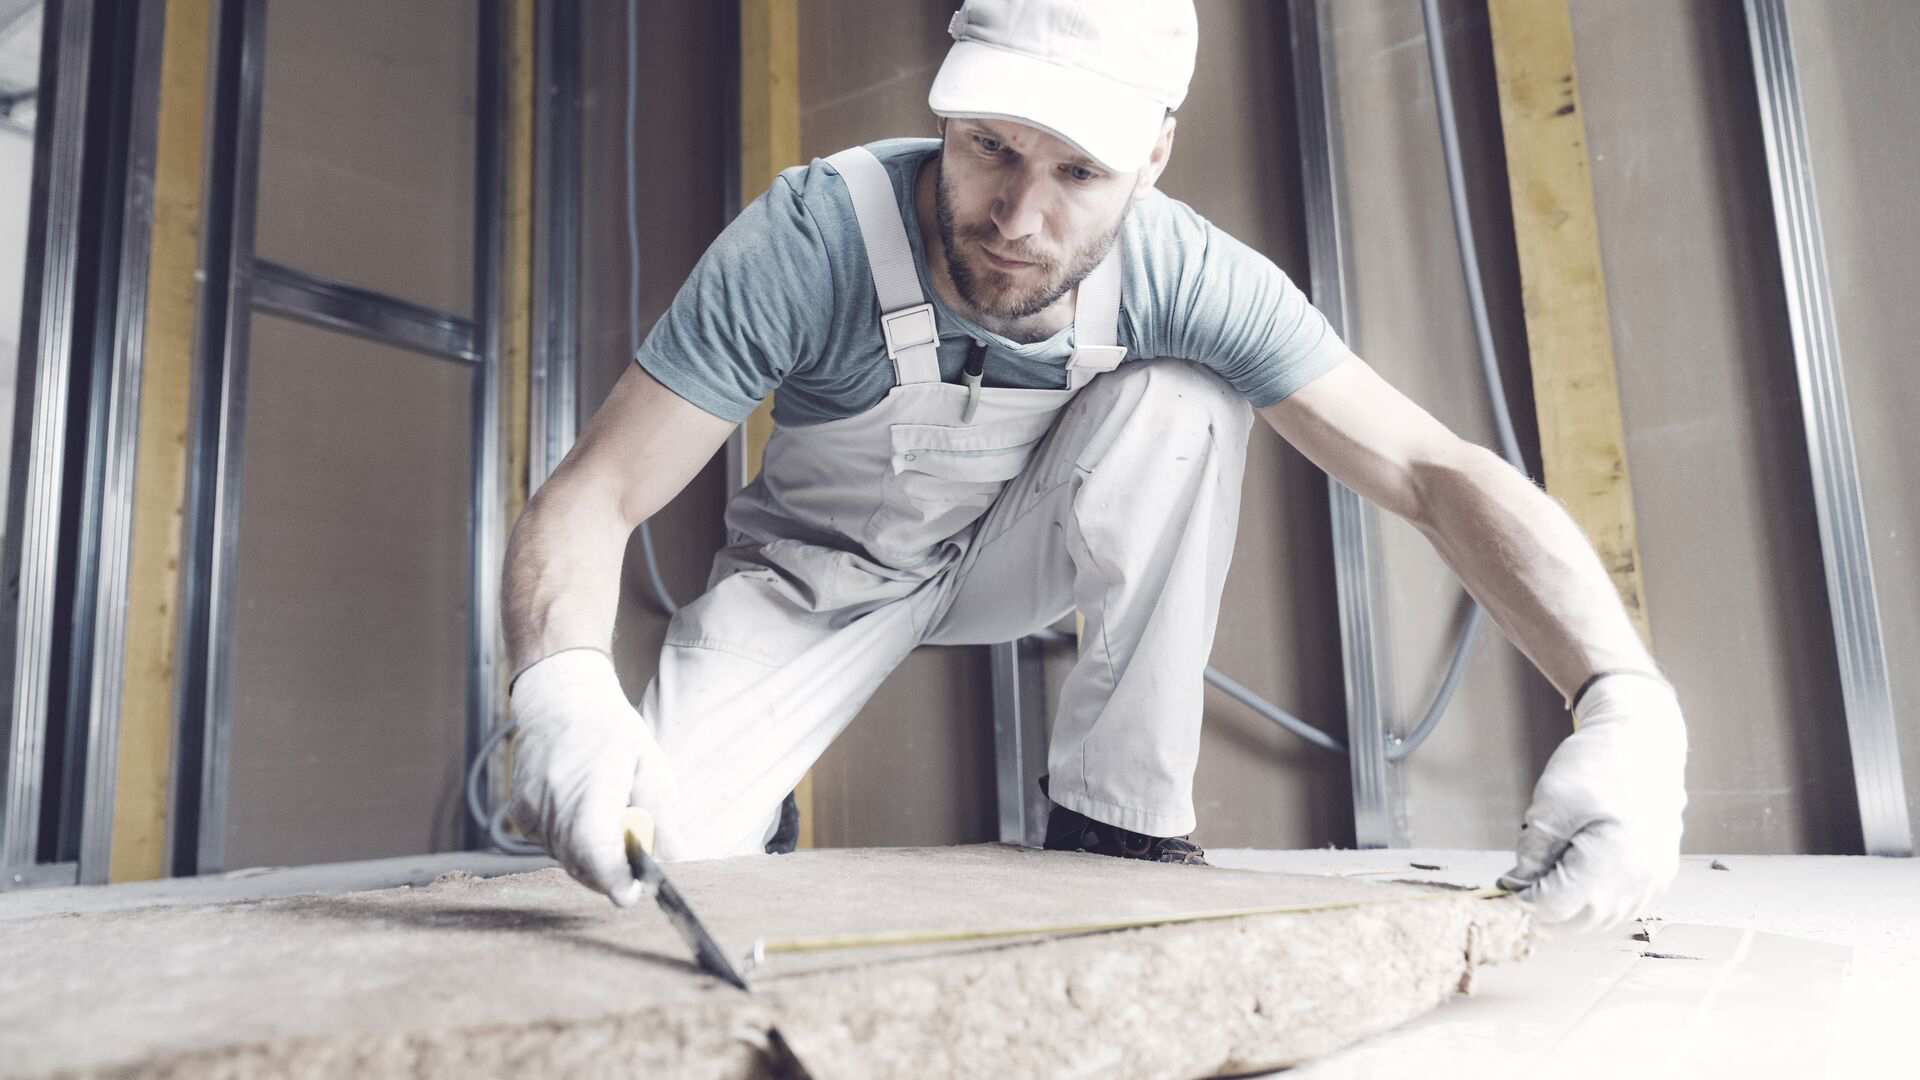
x=769, y=92
x=1576, y=393
x=516, y=298
x=769, y=133
x=516, y=279
x=770, y=142
x=159, y=498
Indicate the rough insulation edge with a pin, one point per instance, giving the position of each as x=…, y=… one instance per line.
x=912, y=1017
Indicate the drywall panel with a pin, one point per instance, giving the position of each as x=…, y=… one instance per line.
x=918, y=760
x=680, y=149
x=1714, y=437
x=1469, y=785
x=366, y=145
x=865, y=67
x=350, y=618
x=1853, y=62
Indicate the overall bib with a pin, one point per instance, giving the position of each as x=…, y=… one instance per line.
x=868, y=535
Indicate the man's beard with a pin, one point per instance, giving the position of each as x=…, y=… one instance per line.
x=993, y=293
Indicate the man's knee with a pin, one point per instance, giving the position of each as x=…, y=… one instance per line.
x=1196, y=392
x=1161, y=397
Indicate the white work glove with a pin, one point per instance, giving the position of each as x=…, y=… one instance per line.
x=581, y=756
x=1602, y=837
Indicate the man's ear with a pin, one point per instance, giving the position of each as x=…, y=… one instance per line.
x=1156, y=161
x=940, y=125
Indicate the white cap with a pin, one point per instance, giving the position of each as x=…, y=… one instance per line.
x=1100, y=74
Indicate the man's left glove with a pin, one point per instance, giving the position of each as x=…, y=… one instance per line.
x=1602, y=837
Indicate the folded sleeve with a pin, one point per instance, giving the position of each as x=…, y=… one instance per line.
x=756, y=308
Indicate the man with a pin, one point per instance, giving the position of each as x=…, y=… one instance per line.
x=1015, y=381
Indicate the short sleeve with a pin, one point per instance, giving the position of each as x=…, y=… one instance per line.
x=757, y=306
x=1239, y=314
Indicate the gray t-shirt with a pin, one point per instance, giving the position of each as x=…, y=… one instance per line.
x=784, y=299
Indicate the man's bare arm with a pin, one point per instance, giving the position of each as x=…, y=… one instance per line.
x=562, y=579
x=1516, y=549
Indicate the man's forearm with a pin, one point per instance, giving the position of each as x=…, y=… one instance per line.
x=1523, y=558
x=562, y=575
x=562, y=580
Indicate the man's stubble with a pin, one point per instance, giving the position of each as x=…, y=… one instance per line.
x=1000, y=302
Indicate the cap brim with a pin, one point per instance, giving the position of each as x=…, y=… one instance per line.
x=1112, y=124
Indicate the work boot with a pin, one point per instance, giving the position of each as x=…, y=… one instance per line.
x=1070, y=830
x=786, y=835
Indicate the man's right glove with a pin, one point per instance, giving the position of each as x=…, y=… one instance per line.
x=581, y=756
x=1602, y=836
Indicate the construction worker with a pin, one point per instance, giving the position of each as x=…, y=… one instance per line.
x=1015, y=380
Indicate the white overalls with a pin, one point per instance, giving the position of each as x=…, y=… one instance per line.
x=865, y=536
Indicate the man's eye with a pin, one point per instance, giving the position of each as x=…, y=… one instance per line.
x=1081, y=173
x=991, y=146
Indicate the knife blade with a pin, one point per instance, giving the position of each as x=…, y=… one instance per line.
x=638, y=826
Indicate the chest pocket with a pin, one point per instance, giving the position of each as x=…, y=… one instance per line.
x=941, y=479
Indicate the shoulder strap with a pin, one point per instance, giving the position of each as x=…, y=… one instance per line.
x=906, y=319
x=1096, y=323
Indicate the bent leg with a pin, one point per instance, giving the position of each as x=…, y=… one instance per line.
x=752, y=688
x=1128, y=512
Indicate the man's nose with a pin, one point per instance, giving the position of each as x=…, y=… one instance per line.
x=1017, y=209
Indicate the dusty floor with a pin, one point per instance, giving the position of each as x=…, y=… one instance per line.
x=531, y=974
x=1775, y=966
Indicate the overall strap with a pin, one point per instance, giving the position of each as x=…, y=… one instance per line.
x=1096, y=323
x=906, y=319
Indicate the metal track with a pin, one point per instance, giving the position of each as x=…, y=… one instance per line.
x=1885, y=822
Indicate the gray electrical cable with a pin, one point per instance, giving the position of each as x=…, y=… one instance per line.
x=1400, y=749
x=1463, y=229
x=494, y=823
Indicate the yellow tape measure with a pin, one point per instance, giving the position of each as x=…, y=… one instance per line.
x=929, y=937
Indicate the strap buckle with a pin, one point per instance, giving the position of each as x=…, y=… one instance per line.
x=908, y=328
x=1095, y=359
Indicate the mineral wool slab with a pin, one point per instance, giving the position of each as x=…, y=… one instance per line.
x=532, y=974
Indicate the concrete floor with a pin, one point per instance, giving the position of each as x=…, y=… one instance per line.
x=1799, y=966
x=531, y=974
